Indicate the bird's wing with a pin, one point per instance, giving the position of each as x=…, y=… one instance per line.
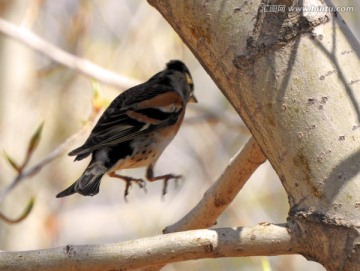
x=134, y=113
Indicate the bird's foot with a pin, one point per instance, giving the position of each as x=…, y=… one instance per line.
x=140, y=182
x=166, y=179
x=150, y=177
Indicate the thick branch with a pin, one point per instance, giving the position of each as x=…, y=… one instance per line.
x=223, y=191
x=303, y=113
x=81, y=65
x=262, y=239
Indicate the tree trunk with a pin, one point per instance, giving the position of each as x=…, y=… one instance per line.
x=293, y=76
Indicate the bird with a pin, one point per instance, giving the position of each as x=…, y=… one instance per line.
x=134, y=130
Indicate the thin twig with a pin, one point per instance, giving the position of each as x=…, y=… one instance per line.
x=58, y=151
x=81, y=65
x=259, y=240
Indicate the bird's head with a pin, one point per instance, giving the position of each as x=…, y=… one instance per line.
x=177, y=65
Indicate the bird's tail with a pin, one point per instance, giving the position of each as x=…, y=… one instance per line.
x=89, y=182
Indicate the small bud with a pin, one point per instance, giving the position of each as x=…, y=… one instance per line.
x=35, y=139
x=12, y=162
x=97, y=100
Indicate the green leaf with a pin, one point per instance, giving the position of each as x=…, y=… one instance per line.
x=12, y=162
x=35, y=139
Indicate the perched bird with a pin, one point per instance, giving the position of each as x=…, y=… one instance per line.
x=135, y=129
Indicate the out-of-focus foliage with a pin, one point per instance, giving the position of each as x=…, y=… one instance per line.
x=131, y=38
x=23, y=216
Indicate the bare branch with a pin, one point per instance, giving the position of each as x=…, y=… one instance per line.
x=223, y=191
x=261, y=239
x=81, y=65
x=58, y=151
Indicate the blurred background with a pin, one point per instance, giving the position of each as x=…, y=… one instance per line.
x=131, y=38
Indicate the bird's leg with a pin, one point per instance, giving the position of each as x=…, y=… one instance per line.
x=166, y=177
x=140, y=182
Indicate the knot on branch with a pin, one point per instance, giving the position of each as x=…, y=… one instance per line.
x=274, y=29
x=327, y=234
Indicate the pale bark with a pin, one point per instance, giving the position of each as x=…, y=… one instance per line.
x=262, y=239
x=303, y=113
x=295, y=80
x=216, y=199
x=223, y=191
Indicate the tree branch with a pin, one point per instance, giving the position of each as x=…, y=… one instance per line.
x=58, y=151
x=303, y=113
x=81, y=65
x=223, y=191
x=261, y=239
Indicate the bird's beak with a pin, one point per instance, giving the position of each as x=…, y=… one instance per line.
x=193, y=99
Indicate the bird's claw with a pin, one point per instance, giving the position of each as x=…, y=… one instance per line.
x=166, y=180
x=140, y=182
